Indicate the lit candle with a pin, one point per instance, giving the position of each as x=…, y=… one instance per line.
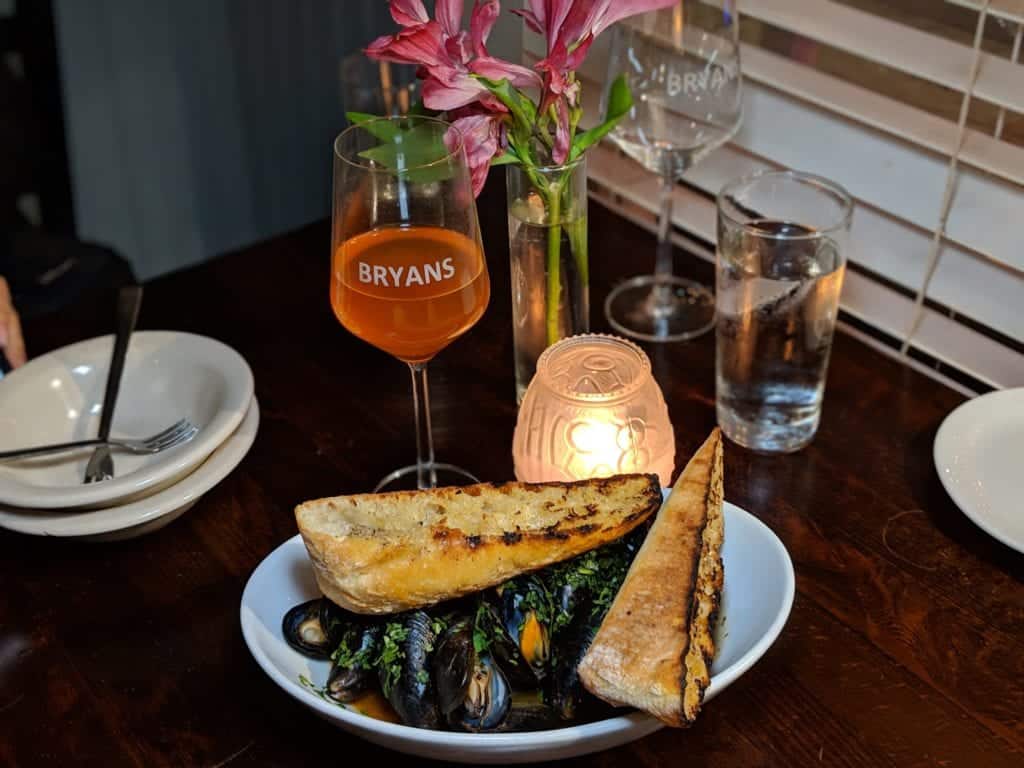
x=593, y=409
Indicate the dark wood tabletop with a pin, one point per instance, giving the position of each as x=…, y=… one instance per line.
x=905, y=646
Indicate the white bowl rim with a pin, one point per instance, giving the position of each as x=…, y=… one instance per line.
x=16, y=493
x=547, y=739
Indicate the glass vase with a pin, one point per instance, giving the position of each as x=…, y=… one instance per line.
x=547, y=230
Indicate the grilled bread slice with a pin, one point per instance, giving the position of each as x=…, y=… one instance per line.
x=389, y=552
x=655, y=646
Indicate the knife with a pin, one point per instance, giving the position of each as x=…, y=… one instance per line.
x=101, y=463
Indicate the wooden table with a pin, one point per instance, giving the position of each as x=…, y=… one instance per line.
x=905, y=646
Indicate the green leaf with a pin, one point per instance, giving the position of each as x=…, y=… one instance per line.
x=620, y=101
x=509, y=158
x=385, y=130
x=406, y=152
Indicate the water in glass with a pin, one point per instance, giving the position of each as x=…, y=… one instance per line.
x=777, y=299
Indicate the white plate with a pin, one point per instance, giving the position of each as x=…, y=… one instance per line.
x=57, y=398
x=979, y=455
x=756, y=601
x=147, y=514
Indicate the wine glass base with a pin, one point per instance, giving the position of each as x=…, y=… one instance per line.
x=660, y=309
x=438, y=476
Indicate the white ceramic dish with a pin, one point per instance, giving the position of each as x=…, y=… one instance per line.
x=756, y=600
x=979, y=455
x=149, y=513
x=57, y=398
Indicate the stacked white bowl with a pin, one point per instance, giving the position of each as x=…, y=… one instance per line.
x=168, y=376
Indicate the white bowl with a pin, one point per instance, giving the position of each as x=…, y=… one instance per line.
x=149, y=513
x=57, y=398
x=756, y=600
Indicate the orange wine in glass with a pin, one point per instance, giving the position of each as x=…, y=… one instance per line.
x=407, y=273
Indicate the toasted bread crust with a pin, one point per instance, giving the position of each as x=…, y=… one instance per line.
x=654, y=648
x=390, y=552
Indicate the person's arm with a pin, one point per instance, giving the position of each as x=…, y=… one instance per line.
x=12, y=345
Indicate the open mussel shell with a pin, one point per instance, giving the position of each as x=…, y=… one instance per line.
x=353, y=674
x=488, y=698
x=314, y=627
x=524, y=624
x=411, y=691
x=473, y=692
x=452, y=665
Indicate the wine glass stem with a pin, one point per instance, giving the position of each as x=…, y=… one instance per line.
x=426, y=473
x=663, y=259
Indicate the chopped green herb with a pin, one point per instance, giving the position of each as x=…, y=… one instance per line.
x=355, y=650
x=392, y=654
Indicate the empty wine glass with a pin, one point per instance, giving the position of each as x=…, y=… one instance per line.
x=683, y=68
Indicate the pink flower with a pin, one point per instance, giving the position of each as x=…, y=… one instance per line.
x=448, y=57
x=570, y=27
x=483, y=136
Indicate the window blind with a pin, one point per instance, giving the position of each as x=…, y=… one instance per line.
x=923, y=123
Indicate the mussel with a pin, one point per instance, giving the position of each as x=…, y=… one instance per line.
x=404, y=669
x=352, y=669
x=565, y=692
x=585, y=588
x=529, y=713
x=526, y=608
x=313, y=628
x=473, y=692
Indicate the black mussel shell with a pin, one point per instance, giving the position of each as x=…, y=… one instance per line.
x=304, y=628
x=529, y=717
x=472, y=692
x=565, y=692
x=452, y=665
x=487, y=699
x=501, y=647
x=355, y=674
x=524, y=626
x=412, y=693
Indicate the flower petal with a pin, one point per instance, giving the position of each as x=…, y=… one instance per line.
x=531, y=20
x=558, y=12
x=448, y=88
x=481, y=21
x=499, y=69
x=413, y=45
x=409, y=12
x=481, y=137
x=616, y=10
x=457, y=48
x=449, y=14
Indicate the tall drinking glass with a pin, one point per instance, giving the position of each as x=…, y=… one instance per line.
x=683, y=68
x=782, y=241
x=407, y=265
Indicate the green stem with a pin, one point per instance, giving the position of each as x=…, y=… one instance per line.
x=553, y=198
x=577, y=231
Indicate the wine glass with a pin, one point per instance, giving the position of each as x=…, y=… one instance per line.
x=407, y=265
x=682, y=65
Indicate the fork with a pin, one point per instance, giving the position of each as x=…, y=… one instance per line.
x=178, y=433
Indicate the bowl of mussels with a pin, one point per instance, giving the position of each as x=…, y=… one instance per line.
x=501, y=660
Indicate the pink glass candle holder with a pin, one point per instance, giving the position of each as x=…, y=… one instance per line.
x=593, y=409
